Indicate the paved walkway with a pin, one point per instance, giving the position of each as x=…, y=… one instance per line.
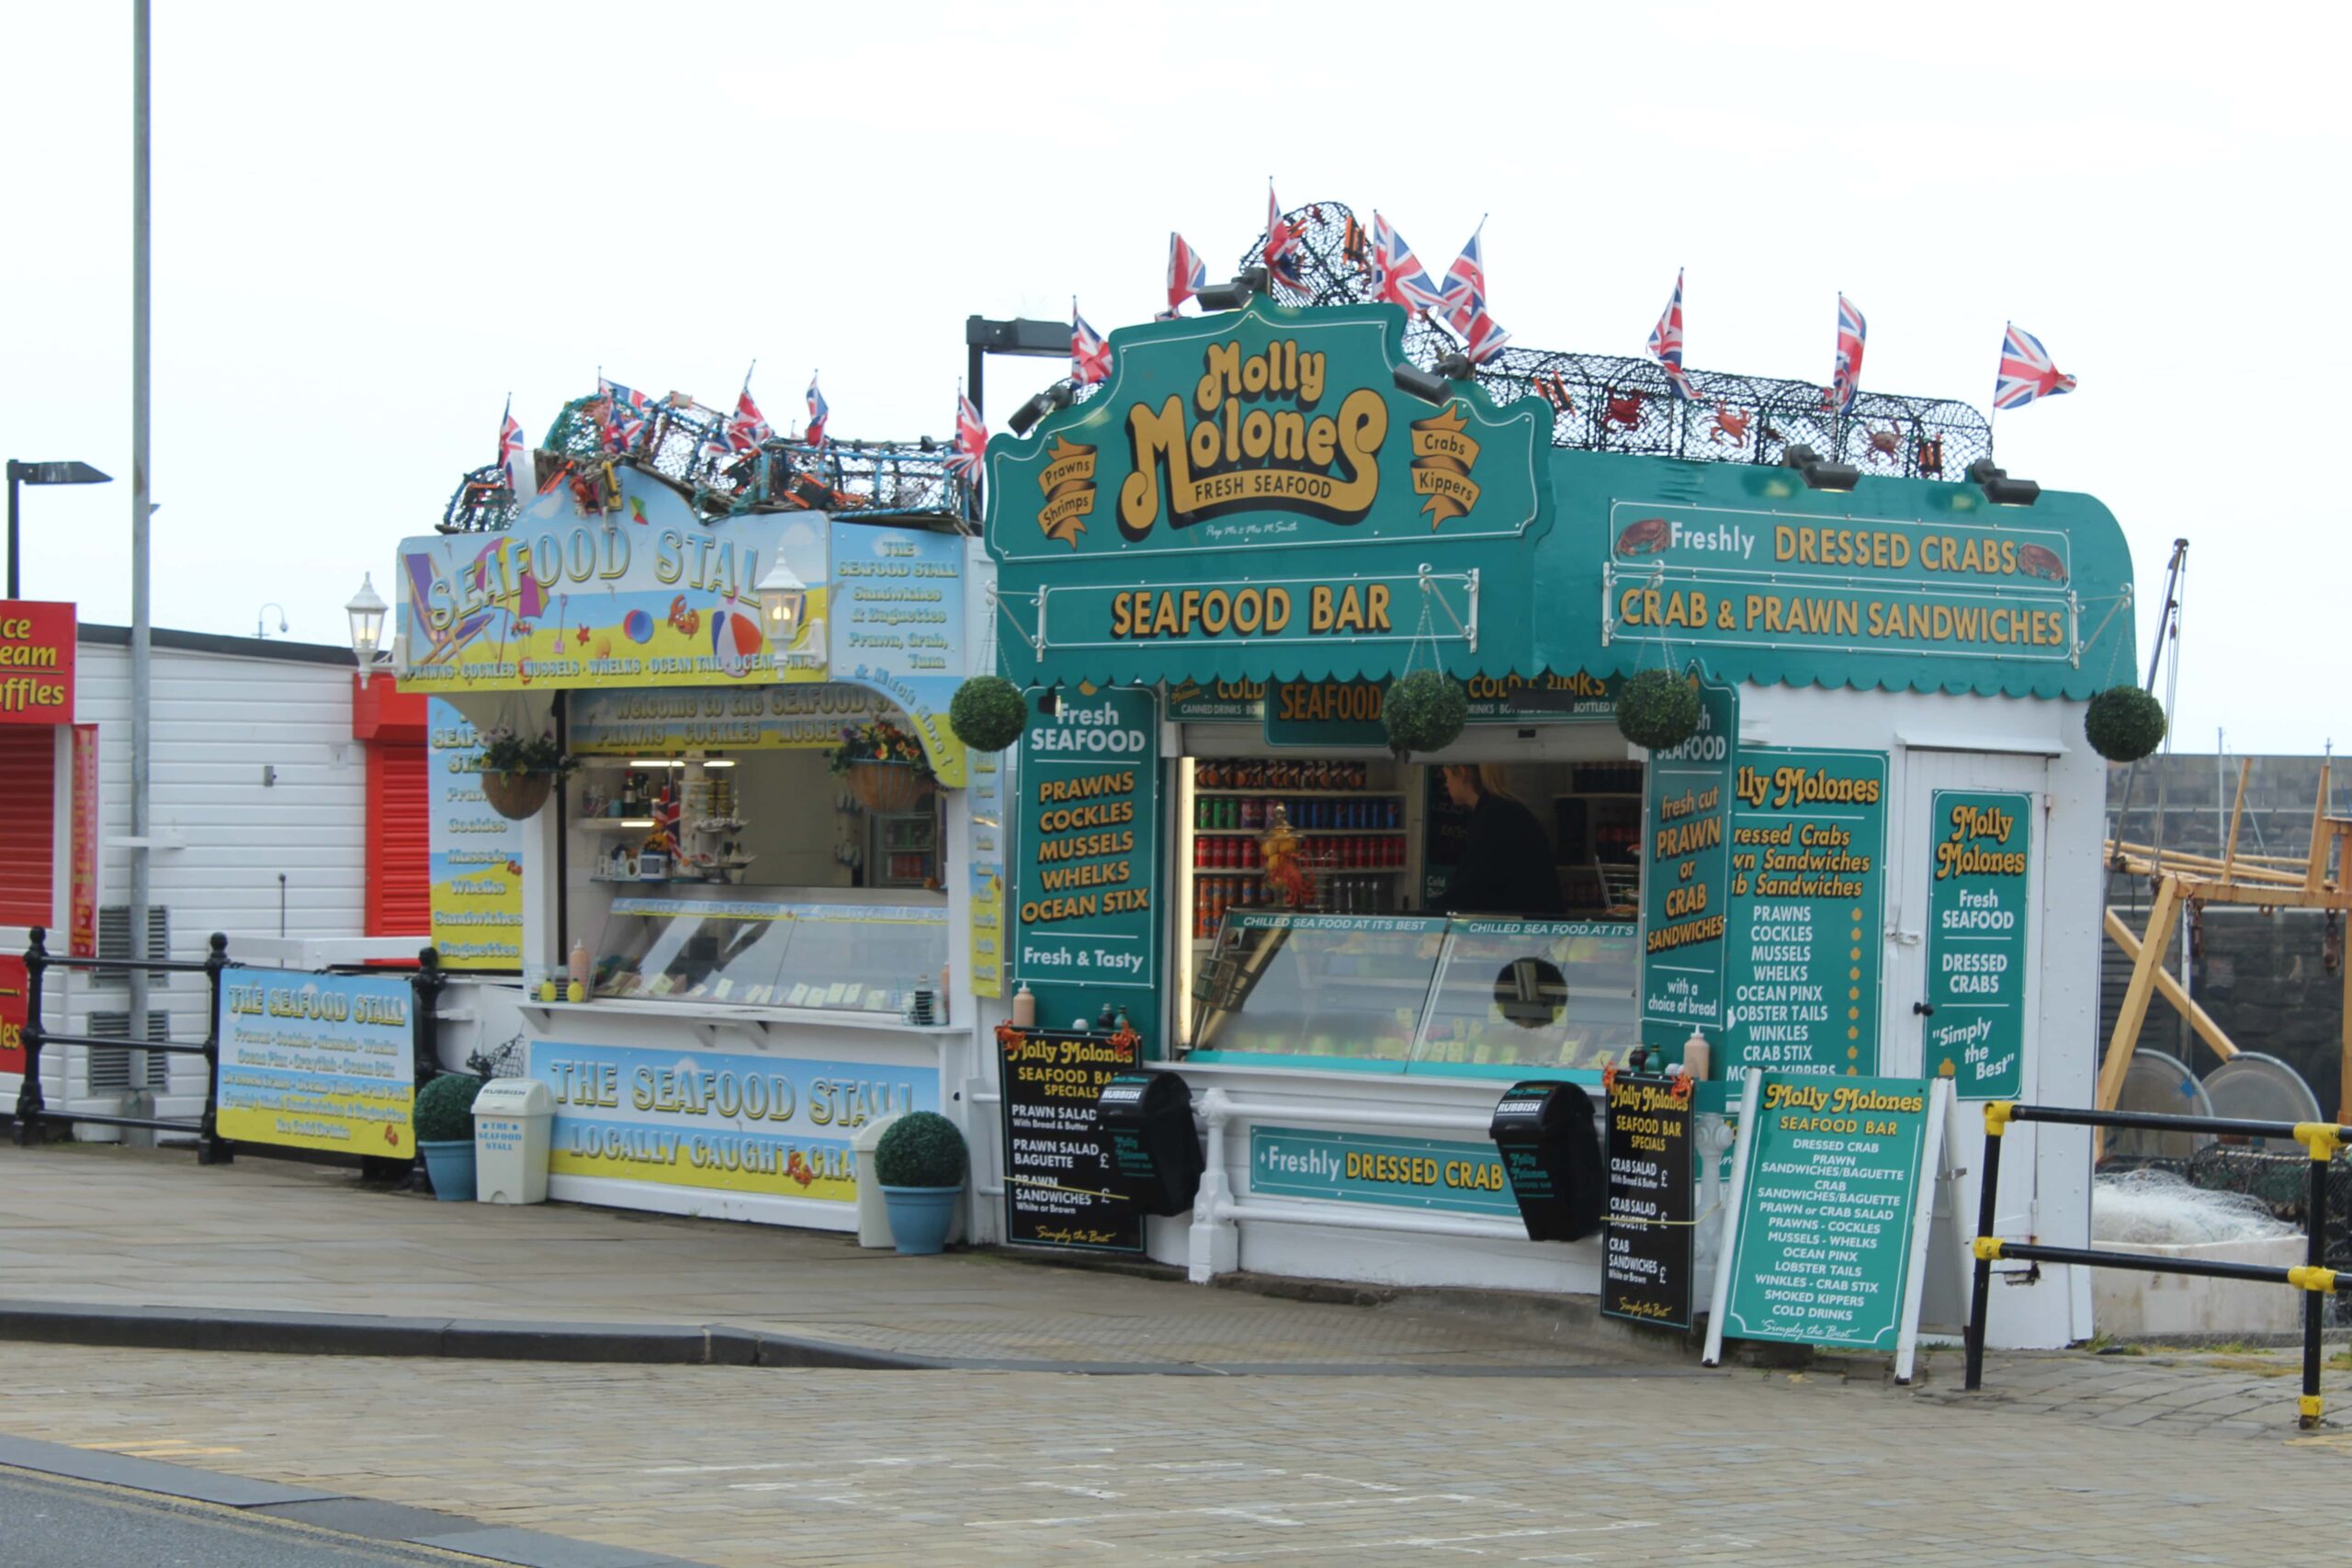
x=752, y=1467
x=113, y=1227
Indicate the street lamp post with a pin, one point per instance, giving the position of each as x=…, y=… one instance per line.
x=366, y=614
x=41, y=474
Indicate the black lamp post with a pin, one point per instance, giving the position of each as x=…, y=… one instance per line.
x=41, y=474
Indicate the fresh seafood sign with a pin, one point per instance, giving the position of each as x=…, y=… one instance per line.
x=1763, y=579
x=1980, y=925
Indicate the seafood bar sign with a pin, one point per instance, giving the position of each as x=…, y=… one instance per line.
x=1759, y=579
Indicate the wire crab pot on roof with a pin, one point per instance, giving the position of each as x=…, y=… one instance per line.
x=688, y=447
x=1621, y=403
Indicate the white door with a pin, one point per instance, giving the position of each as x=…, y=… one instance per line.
x=2028, y=1307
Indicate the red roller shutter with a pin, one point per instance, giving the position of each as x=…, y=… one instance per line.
x=29, y=826
x=399, y=846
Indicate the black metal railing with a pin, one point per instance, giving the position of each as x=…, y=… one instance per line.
x=32, y=1111
x=2321, y=1140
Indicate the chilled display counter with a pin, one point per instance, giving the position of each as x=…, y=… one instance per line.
x=694, y=946
x=1416, y=993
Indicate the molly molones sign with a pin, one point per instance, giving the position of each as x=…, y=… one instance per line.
x=1262, y=429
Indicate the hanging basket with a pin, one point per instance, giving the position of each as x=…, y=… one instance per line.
x=517, y=795
x=888, y=786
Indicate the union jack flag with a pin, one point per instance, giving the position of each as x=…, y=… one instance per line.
x=1089, y=357
x=971, y=439
x=1283, y=245
x=747, y=427
x=2025, y=371
x=1187, y=274
x=626, y=412
x=510, y=435
x=1485, y=338
x=1397, y=275
x=819, y=411
x=1464, y=295
x=1665, y=343
x=1846, y=376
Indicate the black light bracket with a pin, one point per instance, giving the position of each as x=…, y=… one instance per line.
x=1421, y=383
x=1819, y=472
x=1998, y=488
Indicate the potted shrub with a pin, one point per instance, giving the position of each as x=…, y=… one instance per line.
x=444, y=1134
x=884, y=764
x=518, y=772
x=919, y=1163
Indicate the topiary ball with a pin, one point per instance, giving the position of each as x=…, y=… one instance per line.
x=2124, y=724
x=1424, y=712
x=1658, y=709
x=445, y=1109
x=987, y=712
x=922, y=1148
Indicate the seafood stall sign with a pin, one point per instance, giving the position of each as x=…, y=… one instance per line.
x=648, y=594
x=1685, y=575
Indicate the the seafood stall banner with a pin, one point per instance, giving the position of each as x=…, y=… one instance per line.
x=656, y=722
x=1760, y=578
x=896, y=624
x=477, y=855
x=317, y=1061
x=1808, y=904
x=1685, y=878
x=730, y=1122
x=647, y=594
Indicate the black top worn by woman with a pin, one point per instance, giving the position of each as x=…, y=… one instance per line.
x=1506, y=868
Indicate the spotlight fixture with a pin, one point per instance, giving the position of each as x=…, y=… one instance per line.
x=1062, y=393
x=1454, y=367
x=1998, y=488
x=1024, y=418
x=1819, y=473
x=1429, y=389
x=1256, y=279
x=1225, y=296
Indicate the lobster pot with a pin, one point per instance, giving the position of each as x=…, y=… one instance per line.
x=888, y=786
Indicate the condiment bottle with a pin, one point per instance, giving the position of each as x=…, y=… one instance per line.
x=1024, y=1008
x=1695, y=1054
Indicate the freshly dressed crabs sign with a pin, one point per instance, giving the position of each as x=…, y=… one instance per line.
x=1251, y=433
x=1726, y=575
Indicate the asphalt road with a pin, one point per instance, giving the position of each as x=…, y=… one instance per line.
x=46, y=1522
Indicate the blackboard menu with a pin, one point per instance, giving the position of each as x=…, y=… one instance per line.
x=1828, y=1195
x=1646, y=1272
x=1058, y=1190
x=1445, y=837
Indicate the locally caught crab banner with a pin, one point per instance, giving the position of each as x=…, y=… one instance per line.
x=1766, y=578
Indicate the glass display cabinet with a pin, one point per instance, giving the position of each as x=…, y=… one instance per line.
x=1403, y=993
x=687, y=947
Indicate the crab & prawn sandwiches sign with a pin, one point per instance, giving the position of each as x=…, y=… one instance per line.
x=1763, y=579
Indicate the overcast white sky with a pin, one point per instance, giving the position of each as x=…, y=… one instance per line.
x=372, y=223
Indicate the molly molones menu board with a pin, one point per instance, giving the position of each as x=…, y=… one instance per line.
x=1645, y=1271
x=1058, y=1187
x=1829, y=1193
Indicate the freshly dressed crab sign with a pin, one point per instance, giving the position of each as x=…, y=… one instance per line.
x=1765, y=578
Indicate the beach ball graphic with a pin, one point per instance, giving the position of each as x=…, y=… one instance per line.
x=734, y=641
x=638, y=626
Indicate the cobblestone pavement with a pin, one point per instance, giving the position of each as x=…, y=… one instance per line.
x=741, y=1466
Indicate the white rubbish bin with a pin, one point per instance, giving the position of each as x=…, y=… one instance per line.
x=511, y=1117
x=873, y=1217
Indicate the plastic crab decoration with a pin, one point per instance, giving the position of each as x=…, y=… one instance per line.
x=1624, y=409
x=1730, y=426
x=1886, y=444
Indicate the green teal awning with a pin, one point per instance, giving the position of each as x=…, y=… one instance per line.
x=1259, y=496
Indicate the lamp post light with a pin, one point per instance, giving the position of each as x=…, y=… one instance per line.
x=261, y=619
x=784, y=598
x=367, y=613
x=41, y=474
